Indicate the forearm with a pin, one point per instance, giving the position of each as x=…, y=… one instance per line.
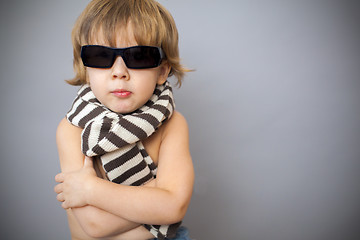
x=149, y=205
x=99, y=223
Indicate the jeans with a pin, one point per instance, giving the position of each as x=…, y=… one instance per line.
x=181, y=234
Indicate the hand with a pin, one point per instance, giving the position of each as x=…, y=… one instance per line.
x=74, y=187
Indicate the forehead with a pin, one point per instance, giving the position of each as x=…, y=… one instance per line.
x=119, y=37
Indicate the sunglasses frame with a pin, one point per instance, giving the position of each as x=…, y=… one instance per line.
x=119, y=52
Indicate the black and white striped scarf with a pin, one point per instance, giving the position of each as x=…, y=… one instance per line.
x=116, y=139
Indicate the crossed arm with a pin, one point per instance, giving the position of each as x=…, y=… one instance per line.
x=97, y=202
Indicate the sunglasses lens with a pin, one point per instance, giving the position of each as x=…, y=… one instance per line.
x=142, y=57
x=138, y=57
x=97, y=56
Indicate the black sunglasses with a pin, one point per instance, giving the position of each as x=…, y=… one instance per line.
x=137, y=57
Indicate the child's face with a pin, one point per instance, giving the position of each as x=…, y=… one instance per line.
x=121, y=89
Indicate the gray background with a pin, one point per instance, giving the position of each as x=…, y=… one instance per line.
x=273, y=110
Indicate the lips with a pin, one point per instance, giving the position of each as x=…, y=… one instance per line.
x=122, y=93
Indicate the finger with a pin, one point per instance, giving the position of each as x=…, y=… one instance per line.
x=88, y=162
x=64, y=205
x=59, y=177
x=58, y=188
x=60, y=197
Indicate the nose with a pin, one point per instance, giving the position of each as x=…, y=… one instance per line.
x=119, y=69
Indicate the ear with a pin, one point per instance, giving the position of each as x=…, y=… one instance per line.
x=163, y=72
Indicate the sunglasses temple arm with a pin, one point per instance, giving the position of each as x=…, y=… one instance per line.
x=162, y=54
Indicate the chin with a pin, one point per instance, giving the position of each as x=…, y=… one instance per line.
x=122, y=110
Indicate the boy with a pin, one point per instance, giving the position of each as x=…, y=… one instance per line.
x=124, y=117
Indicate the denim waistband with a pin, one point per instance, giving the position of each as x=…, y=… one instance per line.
x=181, y=234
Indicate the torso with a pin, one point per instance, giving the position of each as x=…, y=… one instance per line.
x=77, y=232
x=152, y=146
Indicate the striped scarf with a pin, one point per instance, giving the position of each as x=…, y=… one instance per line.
x=116, y=139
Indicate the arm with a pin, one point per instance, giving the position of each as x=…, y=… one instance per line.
x=94, y=221
x=164, y=204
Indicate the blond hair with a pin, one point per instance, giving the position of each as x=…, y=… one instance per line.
x=152, y=25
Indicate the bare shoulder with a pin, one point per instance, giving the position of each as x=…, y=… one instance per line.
x=176, y=124
x=68, y=140
x=178, y=118
x=65, y=130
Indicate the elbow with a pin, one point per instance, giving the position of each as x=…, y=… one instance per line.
x=90, y=222
x=93, y=229
x=177, y=213
x=177, y=208
x=96, y=229
x=182, y=209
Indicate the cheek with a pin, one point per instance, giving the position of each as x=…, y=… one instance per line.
x=90, y=75
x=94, y=77
x=146, y=89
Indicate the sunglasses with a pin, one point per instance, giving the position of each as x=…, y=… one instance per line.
x=137, y=57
